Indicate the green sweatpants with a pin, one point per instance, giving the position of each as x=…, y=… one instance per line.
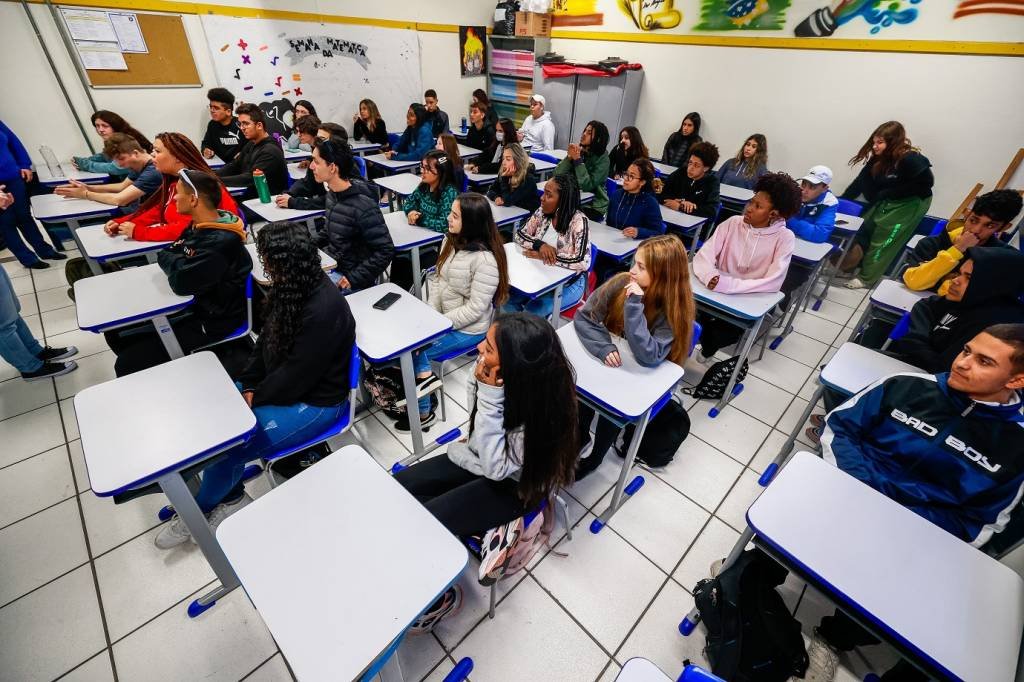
x=888, y=226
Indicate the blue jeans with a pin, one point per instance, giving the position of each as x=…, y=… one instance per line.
x=443, y=346
x=278, y=427
x=17, y=345
x=543, y=305
x=19, y=216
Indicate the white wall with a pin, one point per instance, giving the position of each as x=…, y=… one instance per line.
x=820, y=106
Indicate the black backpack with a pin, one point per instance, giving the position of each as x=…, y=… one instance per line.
x=751, y=634
x=662, y=437
x=712, y=384
x=505, y=17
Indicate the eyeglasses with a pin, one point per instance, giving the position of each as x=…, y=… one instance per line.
x=630, y=176
x=245, y=124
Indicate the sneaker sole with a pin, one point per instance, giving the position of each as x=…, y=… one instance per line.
x=71, y=352
x=71, y=367
x=422, y=391
x=424, y=425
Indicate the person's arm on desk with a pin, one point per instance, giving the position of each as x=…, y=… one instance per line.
x=589, y=321
x=233, y=175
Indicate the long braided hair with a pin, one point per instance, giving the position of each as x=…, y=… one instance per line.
x=568, y=203
x=183, y=149
x=292, y=262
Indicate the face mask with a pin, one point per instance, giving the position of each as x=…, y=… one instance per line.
x=499, y=136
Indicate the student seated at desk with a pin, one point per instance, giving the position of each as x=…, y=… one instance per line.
x=306, y=192
x=935, y=260
x=652, y=307
x=354, y=233
x=504, y=135
x=470, y=281
x=223, y=137
x=447, y=143
x=516, y=184
x=209, y=261
x=368, y=126
x=480, y=134
x=437, y=119
x=303, y=109
x=296, y=381
x=106, y=124
x=142, y=182
x=559, y=210
x=634, y=210
x=677, y=146
x=630, y=148
x=694, y=189
x=750, y=163
x=588, y=163
x=747, y=254
x=522, y=440
x=417, y=139
x=538, y=130
x=945, y=446
x=479, y=96
x=814, y=222
x=260, y=151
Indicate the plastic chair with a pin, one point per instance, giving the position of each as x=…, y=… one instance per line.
x=361, y=165
x=569, y=311
x=245, y=329
x=932, y=225
x=611, y=186
x=393, y=139
x=899, y=331
x=850, y=207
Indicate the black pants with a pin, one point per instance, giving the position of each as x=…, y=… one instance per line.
x=796, y=277
x=845, y=634
x=401, y=267
x=605, y=433
x=464, y=503
x=716, y=333
x=139, y=347
x=607, y=267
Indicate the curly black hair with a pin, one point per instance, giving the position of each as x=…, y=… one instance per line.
x=1001, y=205
x=706, y=152
x=783, y=192
x=292, y=262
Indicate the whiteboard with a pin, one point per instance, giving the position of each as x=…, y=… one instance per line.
x=331, y=65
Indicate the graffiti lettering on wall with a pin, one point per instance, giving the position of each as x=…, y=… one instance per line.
x=325, y=48
x=732, y=15
x=969, y=7
x=650, y=15
x=879, y=14
x=576, y=13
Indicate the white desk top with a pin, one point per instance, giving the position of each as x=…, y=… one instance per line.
x=848, y=224
x=468, y=152
x=402, y=184
x=181, y=411
x=116, y=298
x=361, y=146
x=747, y=306
x=611, y=241
x=641, y=670
x=914, y=241
x=406, y=236
x=556, y=153
x=680, y=219
x=392, y=164
x=385, y=334
x=629, y=390
x=736, y=194
x=530, y=275
x=296, y=154
x=46, y=177
x=480, y=178
x=238, y=191
x=542, y=166
x=585, y=197
x=101, y=246
x=260, y=275
x=853, y=368
x=215, y=162
x=294, y=172
x=810, y=252
x=942, y=597
x=273, y=213
x=663, y=168
x=53, y=207
x=893, y=296
x=504, y=215
x=335, y=592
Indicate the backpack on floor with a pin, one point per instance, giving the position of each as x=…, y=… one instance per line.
x=507, y=549
x=384, y=384
x=662, y=437
x=712, y=384
x=750, y=632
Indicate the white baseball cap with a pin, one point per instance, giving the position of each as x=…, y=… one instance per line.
x=539, y=98
x=819, y=175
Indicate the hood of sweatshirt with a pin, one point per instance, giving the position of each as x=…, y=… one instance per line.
x=227, y=221
x=998, y=273
x=755, y=239
x=546, y=116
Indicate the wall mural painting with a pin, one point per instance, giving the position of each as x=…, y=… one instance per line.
x=733, y=15
x=651, y=15
x=878, y=14
x=576, y=13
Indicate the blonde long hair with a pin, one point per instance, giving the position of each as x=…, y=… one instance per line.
x=669, y=294
x=521, y=160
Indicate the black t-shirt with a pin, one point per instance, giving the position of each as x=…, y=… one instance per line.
x=225, y=141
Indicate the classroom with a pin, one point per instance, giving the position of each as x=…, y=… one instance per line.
x=291, y=290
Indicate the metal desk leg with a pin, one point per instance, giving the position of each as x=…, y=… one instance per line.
x=151, y=257
x=732, y=388
x=796, y=303
x=94, y=266
x=414, y=255
x=185, y=506
x=844, y=244
x=621, y=488
x=412, y=404
x=556, y=310
x=391, y=671
x=864, y=318
x=170, y=341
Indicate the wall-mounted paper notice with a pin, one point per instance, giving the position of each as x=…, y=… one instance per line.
x=87, y=24
x=101, y=56
x=129, y=33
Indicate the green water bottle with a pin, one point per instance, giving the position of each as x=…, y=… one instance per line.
x=262, y=189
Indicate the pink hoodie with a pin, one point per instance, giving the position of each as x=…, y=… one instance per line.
x=746, y=260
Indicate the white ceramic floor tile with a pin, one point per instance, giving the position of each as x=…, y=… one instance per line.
x=733, y=432
x=455, y=384
x=14, y=269
x=810, y=386
x=22, y=286
x=592, y=488
x=59, y=321
x=714, y=543
x=78, y=465
x=274, y=670
x=34, y=325
x=223, y=643
x=851, y=298
x=8, y=372
x=817, y=328
x=793, y=413
x=658, y=521
x=96, y=669
x=597, y=565
x=833, y=312
x=28, y=304
x=657, y=637
x=610, y=672
x=137, y=581
x=50, y=278
x=92, y=370
x=40, y=548
x=559, y=649
x=781, y=371
x=50, y=631
x=18, y=396
x=762, y=400
x=701, y=472
x=67, y=415
x=734, y=510
x=109, y=524
x=440, y=672
x=378, y=440
x=87, y=343
x=768, y=450
x=54, y=299
x=34, y=484
x=475, y=603
x=456, y=417
x=29, y=434
x=419, y=655
x=803, y=349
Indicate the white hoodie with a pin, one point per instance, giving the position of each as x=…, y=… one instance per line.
x=539, y=133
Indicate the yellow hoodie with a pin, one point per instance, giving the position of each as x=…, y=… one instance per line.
x=927, y=274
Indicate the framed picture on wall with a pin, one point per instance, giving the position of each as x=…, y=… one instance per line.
x=472, y=55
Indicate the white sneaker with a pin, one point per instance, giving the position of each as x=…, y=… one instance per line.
x=824, y=660
x=702, y=359
x=716, y=567
x=174, y=533
x=856, y=283
x=226, y=509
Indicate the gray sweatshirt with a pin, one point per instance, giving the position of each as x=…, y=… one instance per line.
x=490, y=451
x=649, y=346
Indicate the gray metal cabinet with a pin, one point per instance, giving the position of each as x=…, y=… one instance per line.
x=577, y=100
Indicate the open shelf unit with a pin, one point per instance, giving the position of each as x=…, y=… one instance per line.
x=511, y=80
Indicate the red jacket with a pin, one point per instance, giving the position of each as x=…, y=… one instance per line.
x=164, y=223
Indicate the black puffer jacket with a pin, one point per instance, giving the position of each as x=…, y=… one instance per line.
x=355, y=235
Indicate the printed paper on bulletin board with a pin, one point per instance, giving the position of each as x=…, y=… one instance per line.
x=169, y=61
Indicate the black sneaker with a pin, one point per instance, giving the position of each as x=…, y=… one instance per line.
x=38, y=265
x=54, y=369
x=425, y=422
x=56, y=255
x=50, y=354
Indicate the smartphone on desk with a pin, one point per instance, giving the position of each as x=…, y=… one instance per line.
x=386, y=301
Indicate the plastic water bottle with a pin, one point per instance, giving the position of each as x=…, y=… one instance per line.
x=262, y=188
x=465, y=127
